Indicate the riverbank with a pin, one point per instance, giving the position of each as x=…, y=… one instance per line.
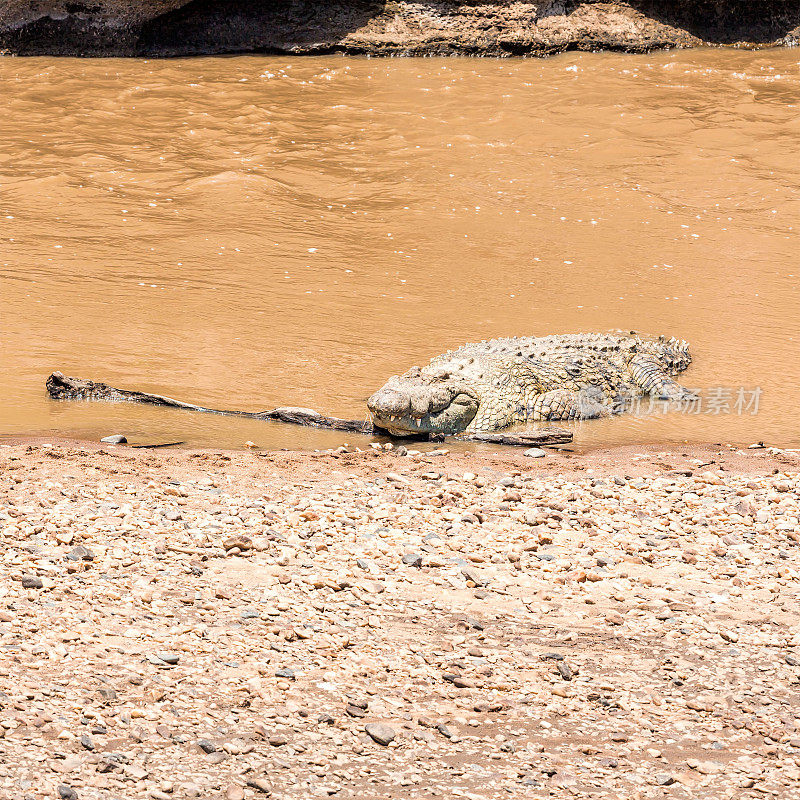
x=365, y=624
x=154, y=28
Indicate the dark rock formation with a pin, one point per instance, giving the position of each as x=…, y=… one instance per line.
x=387, y=27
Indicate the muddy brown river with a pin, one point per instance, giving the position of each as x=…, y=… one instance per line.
x=256, y=231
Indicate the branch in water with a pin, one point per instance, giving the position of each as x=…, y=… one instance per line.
x=543, y=436
x=62, y=387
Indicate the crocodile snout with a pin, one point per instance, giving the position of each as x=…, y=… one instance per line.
x=417, y=402
x=388, y=402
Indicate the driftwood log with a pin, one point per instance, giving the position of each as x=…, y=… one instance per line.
x=61, y=387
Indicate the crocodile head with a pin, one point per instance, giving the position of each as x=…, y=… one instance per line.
x=424, y=401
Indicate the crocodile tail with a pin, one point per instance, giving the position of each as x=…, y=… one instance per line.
x=675, y=353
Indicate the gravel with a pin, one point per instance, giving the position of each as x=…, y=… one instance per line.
x=582, y=626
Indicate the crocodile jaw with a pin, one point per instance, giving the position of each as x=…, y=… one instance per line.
x=414, y=404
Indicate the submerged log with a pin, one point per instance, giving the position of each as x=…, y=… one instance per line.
x=62, y=387
x=537, y=438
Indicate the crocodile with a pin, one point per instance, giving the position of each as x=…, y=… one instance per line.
x=495, y=384
x=480, y=389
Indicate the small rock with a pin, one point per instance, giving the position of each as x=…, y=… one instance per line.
x=236, y=746
x=381, y=733
x=108, y=693
x=260, y=785
x=80, y=553
x=535, y=452
x=116, y=438
x=168, y=658
x=66, y=792
x=239, y=543
x=137, y=773
x=354, y=710
x=32, y=582
x=412, y=559
x=551, y=657
x=564, y=670
x=445, y=731
x=473, y=575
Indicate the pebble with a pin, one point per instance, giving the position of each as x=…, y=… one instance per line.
x=534, y=452
x=471, y=574
x=260, y=785
x=382, y=734
x=564, y=670
x=80, y=553
x=116, y=438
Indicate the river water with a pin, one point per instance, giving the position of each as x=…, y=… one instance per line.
x=256, y=231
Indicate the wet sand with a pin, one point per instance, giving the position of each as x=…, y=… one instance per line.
x=226, y=624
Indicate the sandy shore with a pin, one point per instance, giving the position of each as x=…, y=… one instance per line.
x=620, y=623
